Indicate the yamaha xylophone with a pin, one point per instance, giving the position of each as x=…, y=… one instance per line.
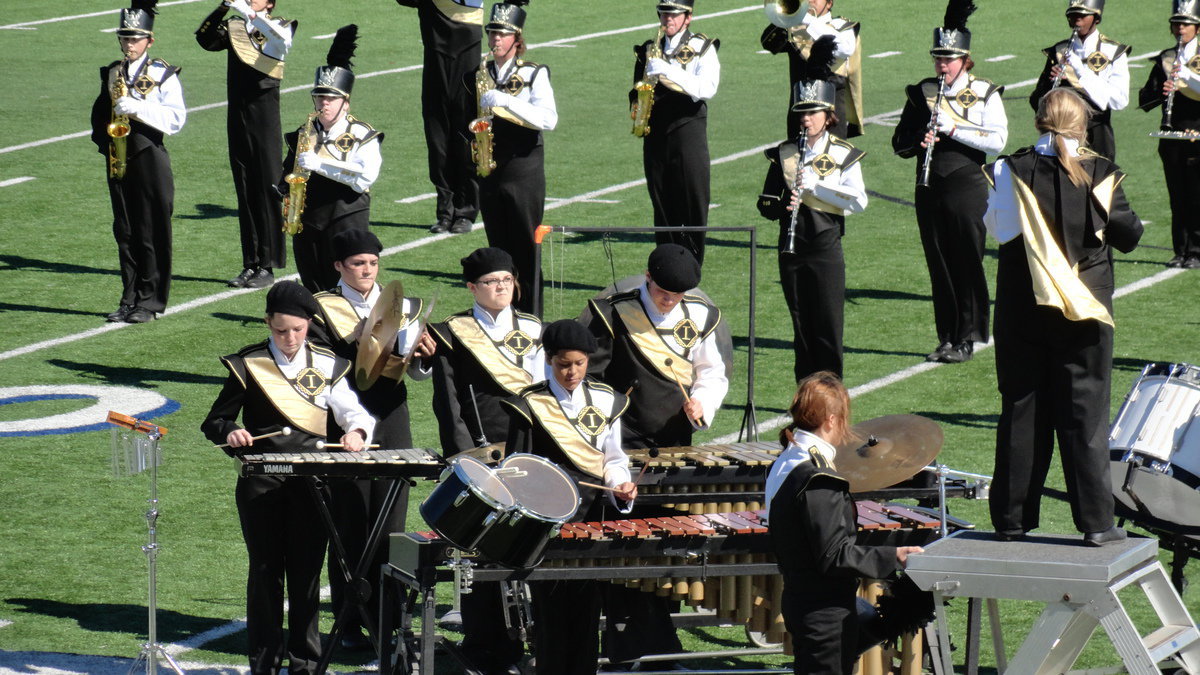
x=404, y=463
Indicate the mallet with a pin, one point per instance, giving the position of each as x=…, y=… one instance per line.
x=286, y=431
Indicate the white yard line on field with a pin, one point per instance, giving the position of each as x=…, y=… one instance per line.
x=417, y=198
x=24, y=25
x=884, y=55
x=1002, y=57
x=15, y=181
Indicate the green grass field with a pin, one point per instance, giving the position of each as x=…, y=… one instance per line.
x=72, y=578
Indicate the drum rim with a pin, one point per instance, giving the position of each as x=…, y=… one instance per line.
x=488, y=499
x=558, y=471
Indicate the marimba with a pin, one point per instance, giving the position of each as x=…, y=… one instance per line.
x=402, y=463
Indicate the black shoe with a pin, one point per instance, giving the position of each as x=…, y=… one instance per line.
x=1177, y=261
x=139, y=315
x=442, y=226
x=1191, y=263
x=937, y=354
x=1011, y=535
x=240, y=280
x=461, y=226
x=1109, y=536
x=120, y=315
x=260, y=279
x=961, y=353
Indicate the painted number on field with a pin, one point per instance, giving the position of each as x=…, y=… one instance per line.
x=138, y=403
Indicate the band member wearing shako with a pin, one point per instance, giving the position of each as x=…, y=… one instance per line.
x=1176, y=78
x=796, y=38
x=675, y=151
x=341, y=323
x=573, y=421
x=812, y=183
x=812, y=523
x=1056, y=209
x=970, y=124
x=515, y=97
x=1095, y=66
x=341, y=155
x=450, y=33
x=140, y=101
x=257, y=44
x=284, y=382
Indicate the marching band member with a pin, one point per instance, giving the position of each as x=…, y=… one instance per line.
x=257, y=44
x=520, y=100
x=575, y=422
x=284, y=382
x=675, y=151
x=484, y=356
x=1179, y=73
x=812, y=523
x=450, y=34
x=797, y=42
x=969, y=125
x=340, y=323
x=1056, y=209
x=341, y=154
x=141, y=99
x=817, y=175
x=1095, y=66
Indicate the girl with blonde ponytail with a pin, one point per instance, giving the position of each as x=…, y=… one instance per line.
x=1064, y=115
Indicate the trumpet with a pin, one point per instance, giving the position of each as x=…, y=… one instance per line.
x=1062, y=61
x=297, y=180
x=1169, y=106
x=933, y=124
x=481, y=147
x=645, y=89
x=118, y=127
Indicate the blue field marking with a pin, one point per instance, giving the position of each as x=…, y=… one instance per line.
x=138, y=403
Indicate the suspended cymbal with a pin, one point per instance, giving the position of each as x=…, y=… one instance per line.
x=378, y=335
x=887, y=450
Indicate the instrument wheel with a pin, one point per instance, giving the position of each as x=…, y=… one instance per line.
x=759, y=639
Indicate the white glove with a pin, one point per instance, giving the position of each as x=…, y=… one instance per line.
x=808, y=178
x=242, y=7
x=496, y=98
x=1076, y=63
x=128, y=105
x=945, y=125
x=660, y=67
x=309, y=161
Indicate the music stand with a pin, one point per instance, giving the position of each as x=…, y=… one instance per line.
x=142, y=452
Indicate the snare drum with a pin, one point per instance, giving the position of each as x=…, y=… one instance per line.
x=468, y=500
x=546, y=497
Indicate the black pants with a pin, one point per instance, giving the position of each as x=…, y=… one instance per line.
x=513, y=201
x=142, y=204
x=285, y=543
x=255, y=152
x=1181, y=166
x=950, y=217
x=677, y=169
x=814, y=285
x=447, y=107
x=313, y=250
x=1053, y=377
x=824, y=629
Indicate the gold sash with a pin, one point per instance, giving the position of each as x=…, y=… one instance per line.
x=342, y=317
x=554, y=420
x=1055, y=282
x=651, y=344
x=506, y=373
x=249, y=54
x=301, y=412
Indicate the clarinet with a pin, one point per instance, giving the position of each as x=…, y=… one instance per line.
x=1169, y=106
x=933, y=123
x=791, y=233
x=1062, y=63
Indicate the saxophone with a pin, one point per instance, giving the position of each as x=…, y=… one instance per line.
x=481, y=147
x=645, y=89
x=297, y=180
x=118, y=127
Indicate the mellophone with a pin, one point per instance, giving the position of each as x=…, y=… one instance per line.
x=400, y=463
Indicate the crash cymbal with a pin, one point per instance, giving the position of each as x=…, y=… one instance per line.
x=887, y=450
x=378, y=335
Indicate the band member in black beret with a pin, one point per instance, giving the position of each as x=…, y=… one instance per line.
x=1095, y=66
x=684, y=71
x=951, y=195
x=1175, y=77
x=341, y=322
x=515, y=97
x=340, y=155
x=140, y=102
x=812, y=183
x=257, y=44
x=575, y=422
x=284, y=382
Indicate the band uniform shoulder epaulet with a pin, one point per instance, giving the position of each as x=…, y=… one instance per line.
x=850, y=153
x=361, y=130
x=620, y=401
x=841, y=23
x=923, y=92
x=340, y=366
x=529, y=70
x=168, y=69
x=1119, y=48
x=253, y=350
x=535, y=388
x=516, y=406
x=631, y=294
x=1056, y=48
x=527, y=317
x=1088, y=153
x=985, y=87
x=713, y=314
x=700, y=43
x=772, y=154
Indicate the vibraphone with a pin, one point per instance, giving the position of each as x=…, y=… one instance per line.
x=721, y=562
x=403, y=463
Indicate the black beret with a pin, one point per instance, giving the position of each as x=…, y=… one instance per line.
x=486, y=260
x=353, y=242
x=289, y=297
x=674, y=268
x=567, y=334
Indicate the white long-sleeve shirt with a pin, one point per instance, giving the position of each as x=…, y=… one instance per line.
x=794, y=454
x=701, y=76
x=993, y=118
x=534, y=103
x=844, y=40
x=163, y=107
x=849, y=180
x=361, y=167
x=1108, y=88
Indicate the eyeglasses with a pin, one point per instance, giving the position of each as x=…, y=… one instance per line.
x=492, y=283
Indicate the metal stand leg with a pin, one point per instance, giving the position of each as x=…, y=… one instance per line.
x=974, y=618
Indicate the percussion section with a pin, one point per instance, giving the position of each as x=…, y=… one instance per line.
x=401, y=463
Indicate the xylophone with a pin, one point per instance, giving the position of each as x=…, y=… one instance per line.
x=403, y=463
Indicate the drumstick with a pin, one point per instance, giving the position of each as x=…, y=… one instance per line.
x=286, y=431
x=598, y=487
x=686, y=396
x=321, y=445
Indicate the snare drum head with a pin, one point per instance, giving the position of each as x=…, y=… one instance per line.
x=482, y=481
x=541, y=487
x=1156, y=418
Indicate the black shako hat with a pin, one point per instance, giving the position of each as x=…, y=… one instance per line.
x=567, y=334
x=1185, y=11
x=289, y=297
x=335, y=77
x=1085, y=7
x=138, y=20
x=953, y=39
x=673, y=268
x=353, y=242
x=816, y=90
x=507, y=17
x=486, y=260
x=676, y=6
